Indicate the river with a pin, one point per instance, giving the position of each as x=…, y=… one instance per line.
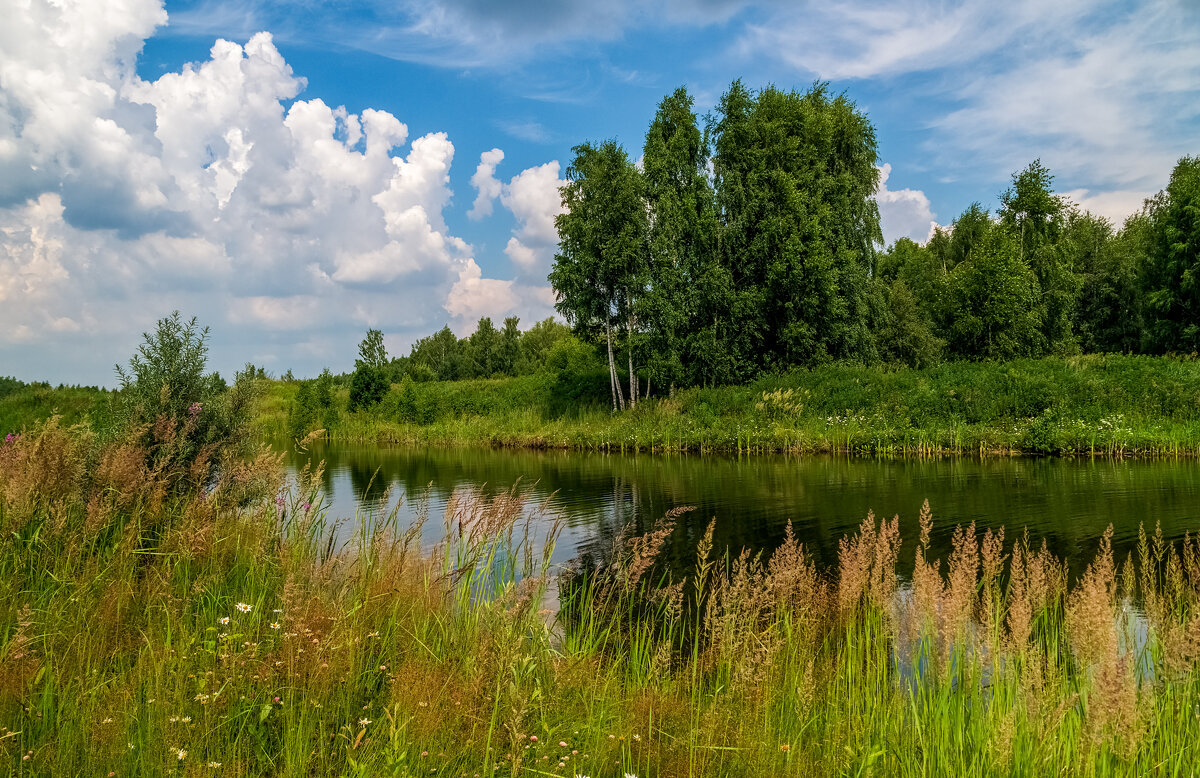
x=1067, y=502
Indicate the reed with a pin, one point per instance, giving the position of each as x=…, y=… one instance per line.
x=236, y=628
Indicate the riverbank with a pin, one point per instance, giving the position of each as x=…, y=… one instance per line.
x=150, y=627
x=1107, y=405
x=22, y=404
x=1096, y=405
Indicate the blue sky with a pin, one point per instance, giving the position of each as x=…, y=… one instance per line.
x=341, y=171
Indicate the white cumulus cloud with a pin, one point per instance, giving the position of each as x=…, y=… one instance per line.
x=903, y=213
x=287, y=224
x=534, y=199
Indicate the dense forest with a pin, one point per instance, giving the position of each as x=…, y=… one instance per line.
x=748, y=243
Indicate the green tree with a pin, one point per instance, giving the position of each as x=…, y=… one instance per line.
x=324, y=399
x=601, y=268
x=994, y=302
x=682, y=234
x=1036, y=217
x=508, y=353
x=906, y=333
x=369, y=384
x=795, y=178
x=537, y=342
x=483, y=348
x=184, y=416
x=1173, y=262
x=1108, y=309
x=440, y=353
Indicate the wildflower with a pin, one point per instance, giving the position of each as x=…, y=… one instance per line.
x=243, y=607
x=785, y=748
x=180, y=754
x=274, y=625
x=363, y=722
x=201, y=698
x=223, y=620
x=107, y=721
x=194, y=409
x=533, y=738
x=214, y=765
x=562, y=744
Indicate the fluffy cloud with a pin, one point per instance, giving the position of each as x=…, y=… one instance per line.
x=486, y=184
x=903, y=213
x=1115, y=206
x=533, y=198
x=211, y=189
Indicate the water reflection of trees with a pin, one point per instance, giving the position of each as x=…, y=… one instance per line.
x=1067, y=502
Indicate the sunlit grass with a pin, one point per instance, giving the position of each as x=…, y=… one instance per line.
x=1107, y=405
x=152, y=630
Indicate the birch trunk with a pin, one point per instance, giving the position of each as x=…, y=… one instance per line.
x=633, y=393
x=618, y=399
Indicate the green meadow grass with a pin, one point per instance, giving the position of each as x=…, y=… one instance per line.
x=24, y=404
x=1094, y=405
x=152, y=628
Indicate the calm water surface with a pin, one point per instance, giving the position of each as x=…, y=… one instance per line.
x=1067, y=502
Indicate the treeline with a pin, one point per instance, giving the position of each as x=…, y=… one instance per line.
x=547, y=347
x=749, y=244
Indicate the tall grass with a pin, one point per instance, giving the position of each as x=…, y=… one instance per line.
x=1108, y=405
x=149, y=628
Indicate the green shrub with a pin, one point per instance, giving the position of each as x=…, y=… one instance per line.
x=183, y=415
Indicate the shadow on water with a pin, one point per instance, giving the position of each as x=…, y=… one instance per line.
x=596, y=496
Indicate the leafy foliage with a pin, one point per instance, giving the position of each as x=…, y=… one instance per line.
x=183, y=415
x=1173, y=270
x=369, y=383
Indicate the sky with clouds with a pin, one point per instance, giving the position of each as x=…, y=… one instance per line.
x=293, y=172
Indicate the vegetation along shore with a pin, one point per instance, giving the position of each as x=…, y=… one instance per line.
x=1108, y=405
x=169, y=604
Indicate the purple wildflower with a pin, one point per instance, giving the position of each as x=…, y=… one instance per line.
x=194, y=409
